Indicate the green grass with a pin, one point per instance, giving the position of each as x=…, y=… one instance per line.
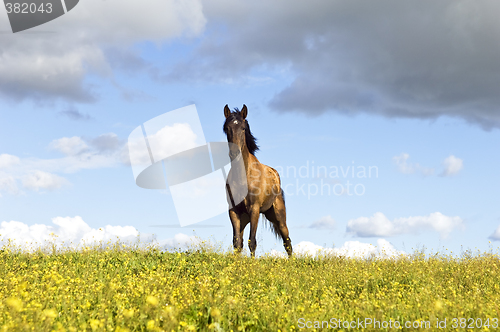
x=133, y=289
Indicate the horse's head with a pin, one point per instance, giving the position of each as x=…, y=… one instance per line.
x=235, y=129
x=238, y=132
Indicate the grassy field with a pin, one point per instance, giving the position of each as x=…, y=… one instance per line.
x=131, y=289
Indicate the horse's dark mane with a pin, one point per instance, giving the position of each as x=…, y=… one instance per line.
x=249, y=138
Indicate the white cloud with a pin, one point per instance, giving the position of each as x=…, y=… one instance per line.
x=179, y=241
x=352, y=249
x=104, y=151
x=155, y=20
x=452, y=166
x=48, y=68
x=72, y=164
x=8, y=184
x=380, y=225
x=69, y=145
x=73, y=231
x=410, y=168
x=7, y=160
x=170, y=140
x=377, y=225
x=164, y=143
x=496, y=235
x=403, y=167
x=37, y=180
x=326, y=222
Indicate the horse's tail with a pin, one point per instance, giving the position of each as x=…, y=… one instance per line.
x=273, y=226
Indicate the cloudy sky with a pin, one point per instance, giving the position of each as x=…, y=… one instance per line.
x=382, y=117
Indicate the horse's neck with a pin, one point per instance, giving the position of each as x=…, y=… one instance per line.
x=248, y=158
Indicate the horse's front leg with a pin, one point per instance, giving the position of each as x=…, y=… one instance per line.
x=254, y=221
x=237, y=239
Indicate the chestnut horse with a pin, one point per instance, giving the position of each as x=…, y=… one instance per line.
x=265, y=194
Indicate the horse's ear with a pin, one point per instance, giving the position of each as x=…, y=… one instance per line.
x=227, y=111
x=244, y=111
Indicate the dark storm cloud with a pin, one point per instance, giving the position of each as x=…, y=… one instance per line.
x=41, y=68
x=106, y=142
x=419, y=59
x=75, y=114
x=413, y=59
x=125, y=59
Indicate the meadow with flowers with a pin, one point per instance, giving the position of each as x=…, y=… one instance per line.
x=131, y=288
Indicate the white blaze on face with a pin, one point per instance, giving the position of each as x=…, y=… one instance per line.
x=235, y=121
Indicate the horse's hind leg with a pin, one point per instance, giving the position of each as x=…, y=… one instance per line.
x=277, y=215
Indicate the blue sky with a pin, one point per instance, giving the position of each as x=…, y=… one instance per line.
x=333, y=84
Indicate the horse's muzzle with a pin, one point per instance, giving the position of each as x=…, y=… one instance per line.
x=234, y=155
